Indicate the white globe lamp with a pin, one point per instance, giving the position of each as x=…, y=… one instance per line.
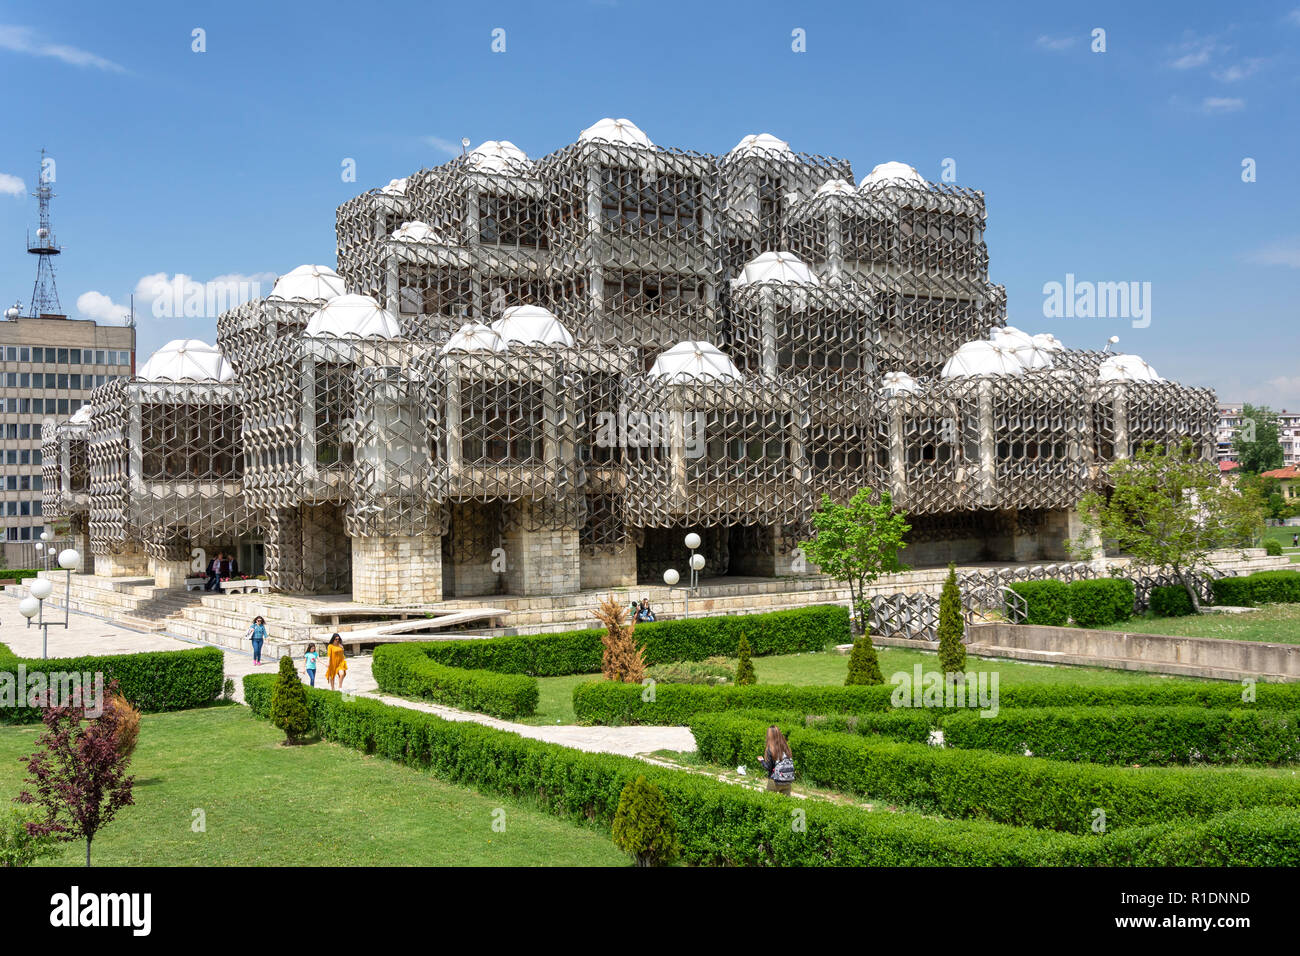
x=45, y=536
x=28, y=607
x=697, y=562
x=692, y=541
x=68, y=558
x=42, y=588
x=671, y=577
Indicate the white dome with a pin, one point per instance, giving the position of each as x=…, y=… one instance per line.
x=834, y=187
x=1011, y=337
x=1048, y=342
x=531, y=324
x=81, y=416
x=688, y=361
x=1126, y=368
x=892, y=174
x=395, y=187
x=418, y=232
x=496, y=156
x=474, y=337
x=314, y=283
x=782, y=267
x=982, y=358
x=622, y=132
x=353, y=315
x=186, y=360
x=762, y=144
x=900, y=383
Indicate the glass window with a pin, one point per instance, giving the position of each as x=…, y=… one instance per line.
x=62, y=356
x=63, y=407
x=24, y=354
x=24, y=509
x=25, y=380
x=74, y=382
x=37, y=507
x=11, y=354
x=99, y=356
x=75, y=356
x=38, y=354
x=11, y=379
x=25, y=534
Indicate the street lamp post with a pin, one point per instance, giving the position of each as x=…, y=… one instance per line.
x=34, y=607
x=45, y=547
x=696, y=563
x=68, y=559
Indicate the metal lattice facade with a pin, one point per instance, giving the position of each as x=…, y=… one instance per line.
x=429, y=433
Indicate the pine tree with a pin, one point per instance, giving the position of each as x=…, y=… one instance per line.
x=952, y=652
x=643, y=825
x=289, y=702
x=864, y=665
x=744, y=666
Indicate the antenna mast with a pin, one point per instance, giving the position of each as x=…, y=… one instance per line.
x=45, y=294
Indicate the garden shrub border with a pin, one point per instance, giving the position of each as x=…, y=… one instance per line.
x=1101, y=602
x=1262, y=587
x=606, y=702
x=724, y=824
x=152, y=680
x=1047, y=603
x=980, y=784
x=497, y=675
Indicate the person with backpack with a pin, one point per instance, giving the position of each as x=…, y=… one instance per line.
x=778, y=761
x=256, y=635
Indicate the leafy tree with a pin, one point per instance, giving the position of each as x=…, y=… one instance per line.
x=621, y=660
x=744, y=666
x=79, y=773
x=643, y=825
x=1256, y=443
x=289, y=702
x=864, y=665
x=952, y=652
x=857, y=543
x=19, y=846
x=1169, y=511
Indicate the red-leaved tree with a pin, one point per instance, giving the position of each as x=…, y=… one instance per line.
x=78, y=776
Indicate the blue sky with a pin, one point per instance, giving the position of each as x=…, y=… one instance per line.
x=1123, y=165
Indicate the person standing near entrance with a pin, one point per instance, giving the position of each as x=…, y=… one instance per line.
x=337, y=665
x=214, y=573
x=257, y=635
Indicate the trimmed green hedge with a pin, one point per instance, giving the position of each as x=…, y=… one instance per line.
x=1046, y=602
x=1262, y=587
x=692, y=639
x=1100, y=602
x=607, y=702
x=152, y=680
x=1170, y=600
x=722, y=824
x=1149, y=736
x=19, y=573
x=407, y=670
x=1053, y=795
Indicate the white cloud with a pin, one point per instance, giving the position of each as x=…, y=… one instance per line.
x=1055, y=44
x=1293, y=16
x=443, y=145
x=1281, y=252
x=24, y=40
x=1238, y=71
x=1193, y=52
x=1222, y=104
x=175, y=296
x=11, y=185
x=101, y=308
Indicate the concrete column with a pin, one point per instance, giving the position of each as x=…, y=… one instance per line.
x=168, y=573
x=768, y=333
x=988, y=444
x=897, y=453
x=542, y=562
x=128, y=561
x=397, y=569
x=1121, y=422
x=610, y=569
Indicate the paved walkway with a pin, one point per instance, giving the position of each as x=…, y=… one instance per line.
x=92, y=635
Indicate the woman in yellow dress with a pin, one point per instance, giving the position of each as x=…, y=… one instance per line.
x=337, y=666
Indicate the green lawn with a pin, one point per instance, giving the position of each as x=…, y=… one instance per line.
x=318, y=804
x=555, y=703
x=1278, y=623
x=1280, y=534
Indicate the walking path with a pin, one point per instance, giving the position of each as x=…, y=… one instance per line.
x=88, y=635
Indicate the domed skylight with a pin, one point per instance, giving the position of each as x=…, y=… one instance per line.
x=781, y=267
x=186, y=360
x=982, y=358
x=312, y=283
x=834, y=187
x=892, y=174
x=899, y=383
x=353, y=316
x=474, y=337
x=762, y=144
x=694, y=361
x=621, y=132
x=531, y=324
x=1126, y=368
x=418, y=232
x=497, y=156
x=395, y=187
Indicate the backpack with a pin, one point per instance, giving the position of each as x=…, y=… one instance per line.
x=783, y=772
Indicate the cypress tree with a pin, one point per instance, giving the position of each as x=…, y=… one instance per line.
x=744, y=666
x=643, y=825
x=289, y=702
x=864, y=665
x=952, y=652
